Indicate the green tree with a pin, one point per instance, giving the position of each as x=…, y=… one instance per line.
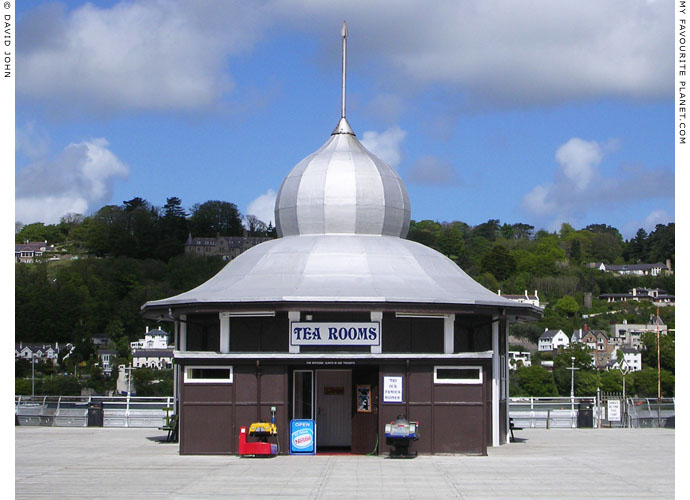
x=450, y=241
x=667, y=351
x=646, y=385
x=576, y=251
x=425, y=232
x=38, y=231
x=535, y=381
x=586, y=383
x=499, y=262
x=216, y=217
x=173, y=229
x=567, y=305
x=489, y=229
x=151, y=382
x=662, y=243
x=563, y=361
x=612, y=381
x=63, y=385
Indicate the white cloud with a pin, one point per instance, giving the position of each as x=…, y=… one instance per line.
x=505, y=52
x=263, y=207
x=432, y=170
x=386, y=145
x=143, y=55
x=579, y=160
x=579, y=186
x=169, y=54
x=78, y=180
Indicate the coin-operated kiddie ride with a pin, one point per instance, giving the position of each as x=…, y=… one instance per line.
x=260, y=433
x=400, y=434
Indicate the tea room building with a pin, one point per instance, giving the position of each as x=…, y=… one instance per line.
x=344, y=321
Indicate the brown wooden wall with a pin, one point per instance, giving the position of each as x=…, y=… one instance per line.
x=452, y=417
x=211, y=414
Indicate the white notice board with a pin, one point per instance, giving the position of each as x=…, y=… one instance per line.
x=614, y=407
x=392, y=389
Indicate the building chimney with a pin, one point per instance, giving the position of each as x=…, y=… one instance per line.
x=668, y=265
x=499, y=291
x=526, y=296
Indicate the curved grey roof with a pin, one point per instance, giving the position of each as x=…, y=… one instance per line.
x=342, y=189
x=340, y=268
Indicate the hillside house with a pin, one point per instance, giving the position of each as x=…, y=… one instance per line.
x=157, y=359
x=656, y=296
x=42, y=352
x=29, y=251
x=107, y=356
x=631, y=357
x=154, y=339
x=519, y=358
x=628, y=334
x=552, y=339
x=525, y=298
x=601, y=350
x=227, y=247
x=655, y=269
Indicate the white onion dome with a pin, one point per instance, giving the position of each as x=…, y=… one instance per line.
x=342, y=189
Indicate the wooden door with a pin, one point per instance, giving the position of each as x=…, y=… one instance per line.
x=365, y=423
x=334, y=408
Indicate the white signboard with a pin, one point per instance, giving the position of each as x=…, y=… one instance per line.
x=312, y=333
x=614, y=406
x=392, y=389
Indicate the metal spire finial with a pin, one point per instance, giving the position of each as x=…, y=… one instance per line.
x=343, y=127
x=343, y=33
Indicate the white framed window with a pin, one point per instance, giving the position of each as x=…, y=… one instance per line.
x=458, y=375
x=208, y=375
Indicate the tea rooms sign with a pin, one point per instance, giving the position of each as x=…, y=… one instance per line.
x=349, y=334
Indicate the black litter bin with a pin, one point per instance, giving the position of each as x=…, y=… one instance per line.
x=96, y=414
x=585, y=415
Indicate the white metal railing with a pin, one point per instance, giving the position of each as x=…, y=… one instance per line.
x=73, y=411
x=562, y=412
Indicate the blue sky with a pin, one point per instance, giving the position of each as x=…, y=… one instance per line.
x=560, y=112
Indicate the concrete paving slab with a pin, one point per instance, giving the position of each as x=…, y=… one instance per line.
x=110, y=463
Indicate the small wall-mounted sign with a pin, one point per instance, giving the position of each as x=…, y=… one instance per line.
x=311, y=333
x=614, y=406
x=392, y=389
x=334, y=391
x=363, y=399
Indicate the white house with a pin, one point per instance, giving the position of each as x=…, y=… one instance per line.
x=106, y=356
x=154, y=339
x=158, y=359
x=632, y=269
x=517, y=357
x=552, y=339
x=631, y=357
x=44, y=352
x=525, y=298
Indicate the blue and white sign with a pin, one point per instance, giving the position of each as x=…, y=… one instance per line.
x=302, y=437
x=311, y=333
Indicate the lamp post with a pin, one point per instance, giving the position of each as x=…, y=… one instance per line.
x=572, y=389
x=32, y=373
